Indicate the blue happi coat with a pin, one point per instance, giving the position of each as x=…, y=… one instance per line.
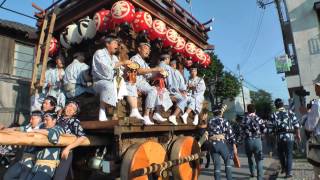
x=49, y=153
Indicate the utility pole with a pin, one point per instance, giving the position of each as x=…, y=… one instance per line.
x=241, y=81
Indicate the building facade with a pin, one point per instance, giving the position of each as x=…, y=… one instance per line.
x=299, y=20
x=16, y=63
x=236, y=106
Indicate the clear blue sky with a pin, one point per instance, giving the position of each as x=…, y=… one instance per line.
x=234, y=31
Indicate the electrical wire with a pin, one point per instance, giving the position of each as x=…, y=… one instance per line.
x=263, y=63
x=254, y=40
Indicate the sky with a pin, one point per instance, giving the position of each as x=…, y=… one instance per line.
x=242, y=34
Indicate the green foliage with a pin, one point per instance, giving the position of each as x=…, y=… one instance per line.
x=263, y=102
x=221, y=85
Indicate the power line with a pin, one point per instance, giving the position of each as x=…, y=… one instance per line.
x=237, y=76
x=14, y=11
x=263, y=63
x=254, y=40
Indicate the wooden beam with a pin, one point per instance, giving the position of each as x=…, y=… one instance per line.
x=152, y=128
x=36, y=139
x=79, y=10
x=39, y=53
x=95, y=125
x=47, y=46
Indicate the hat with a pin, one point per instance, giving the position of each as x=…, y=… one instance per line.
x=173, y=61
x=76, y=104
x=317, y=80
x=145, y=44
x=36, y=113
x=77, y=54
x=109, y=38
x=52, y=99
x=194, y=67
x=164, y=56
x=52, y=114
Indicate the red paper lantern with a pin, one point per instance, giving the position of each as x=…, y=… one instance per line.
x=142, y=21
x=190, y=50
x=207, y=61
x=54, y=46
x=158, y=30
x=171, y=38
x=179, y=47
x=103, y=20
x=122, y=12
x=200, y=56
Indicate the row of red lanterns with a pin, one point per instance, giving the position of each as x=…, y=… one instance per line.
x=124, y=12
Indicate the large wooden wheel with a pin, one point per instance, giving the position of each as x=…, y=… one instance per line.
x=183, y=147
x=140, y=156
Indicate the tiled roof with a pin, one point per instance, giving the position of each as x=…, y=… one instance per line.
x=23, y=28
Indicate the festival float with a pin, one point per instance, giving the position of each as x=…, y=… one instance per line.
x=122, y=147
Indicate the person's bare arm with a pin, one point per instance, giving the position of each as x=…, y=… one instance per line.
x=143, y=71
x=76, y=143
x=41, y=131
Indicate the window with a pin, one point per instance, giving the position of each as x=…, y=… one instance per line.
x=23, y=60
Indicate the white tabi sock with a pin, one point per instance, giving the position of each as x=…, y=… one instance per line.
x=102, y=115
x=147, y=121
x=158, y=117
x=196, y=120
x=135, y=113
x=185, y=118
x=173, y=119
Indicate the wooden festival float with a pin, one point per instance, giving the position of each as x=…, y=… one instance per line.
x=122, y=147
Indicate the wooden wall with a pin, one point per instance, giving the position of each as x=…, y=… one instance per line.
x=14, y=91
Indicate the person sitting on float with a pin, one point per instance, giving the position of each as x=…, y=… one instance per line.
x=146, y=73
x=104, y=66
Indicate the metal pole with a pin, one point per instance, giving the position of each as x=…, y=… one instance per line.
x=241, y=80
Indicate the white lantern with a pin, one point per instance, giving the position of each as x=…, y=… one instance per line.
x=70, y=35
x=87, y=28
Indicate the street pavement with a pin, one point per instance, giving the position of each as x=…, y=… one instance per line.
x=302, y=170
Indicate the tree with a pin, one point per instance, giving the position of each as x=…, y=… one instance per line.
x=263, y=103
x=221, y=85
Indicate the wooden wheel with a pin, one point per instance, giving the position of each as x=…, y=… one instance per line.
x=183, y=147
x=140, y=156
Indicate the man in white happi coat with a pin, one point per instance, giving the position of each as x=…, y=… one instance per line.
x=312, y=123
x=196, y=89
x=53, y=85
x=175, y=85
x=104, y=66
x=76, y=77
x=146, y=73
x=178, y=89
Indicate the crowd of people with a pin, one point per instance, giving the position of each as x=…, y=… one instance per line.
x=41, y=163
x=54, y=109
x=249, y=131
x=54, y=112
x=109, y=78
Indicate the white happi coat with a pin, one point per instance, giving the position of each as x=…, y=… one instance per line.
x=103, y=73
x=175, y=84
x=196, y=96
x=74, y=79
x=142, y=85
x=56, y=89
